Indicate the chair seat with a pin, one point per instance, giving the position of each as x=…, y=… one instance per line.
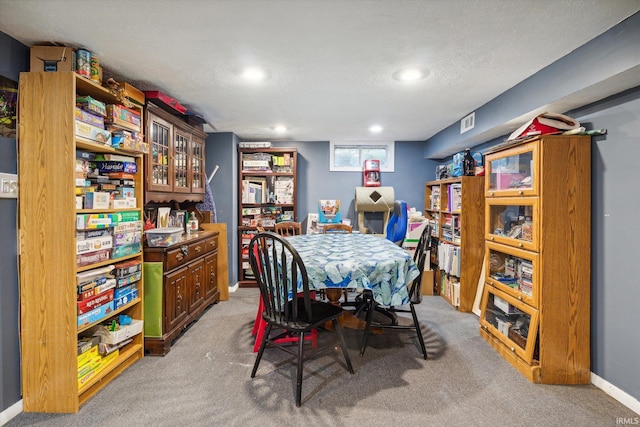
x=321, y=312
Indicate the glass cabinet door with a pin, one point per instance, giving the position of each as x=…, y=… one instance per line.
x=160, y=167
x=198, y=174
x=512, y=322
x=513, y=271
x=181, y=153
x=512, y=172
x=513, y=221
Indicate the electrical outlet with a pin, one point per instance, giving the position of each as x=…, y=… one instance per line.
x=8, y=185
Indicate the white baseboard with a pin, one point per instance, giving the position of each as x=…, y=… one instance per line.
x=621, y=396
x=234, y=287
x=11, y=412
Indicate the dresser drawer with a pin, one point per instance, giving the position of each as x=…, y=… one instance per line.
x=178, y=257
x=211, y=244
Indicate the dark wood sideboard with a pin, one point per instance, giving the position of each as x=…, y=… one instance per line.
x=181, y=281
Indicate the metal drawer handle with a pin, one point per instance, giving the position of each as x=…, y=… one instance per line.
x=184, y=250
x=198, y=249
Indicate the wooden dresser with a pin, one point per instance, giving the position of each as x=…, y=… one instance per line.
x=181, y=281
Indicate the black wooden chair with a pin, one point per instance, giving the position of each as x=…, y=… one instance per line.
x=390, y=313
x=277, y=267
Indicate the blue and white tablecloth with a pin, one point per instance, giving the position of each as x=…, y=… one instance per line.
x=357, y=261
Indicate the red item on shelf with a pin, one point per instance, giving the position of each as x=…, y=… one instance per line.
x=165, y=102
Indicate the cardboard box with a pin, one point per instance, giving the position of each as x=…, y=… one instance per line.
x=96, y=200
x=92, y=257
x=90, y=118
x=95, y=244
x=95, y=315
x=92, y=133
x=125, y=332
x=426, y=286
x=165, y=102
x=132, y=93
x=53, y=58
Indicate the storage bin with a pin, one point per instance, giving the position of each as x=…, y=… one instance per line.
x=163, y=237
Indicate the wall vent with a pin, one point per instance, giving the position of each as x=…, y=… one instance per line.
x=467, y=123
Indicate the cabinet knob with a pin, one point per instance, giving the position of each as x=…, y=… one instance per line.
x=520, y=297
x=491, y=238
x=521, y=192
x=520, y=244
x=491, y=193
x=513, y=349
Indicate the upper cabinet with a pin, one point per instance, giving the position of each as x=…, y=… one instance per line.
x=176, y=164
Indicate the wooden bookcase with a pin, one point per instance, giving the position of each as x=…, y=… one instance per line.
x=535, y=309
x=274, y=168
x=47, y=228
x=455, y=209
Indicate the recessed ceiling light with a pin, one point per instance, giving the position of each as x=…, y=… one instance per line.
x=409, y=75
x=253, y=74
x=375, y=129
x=280, y=129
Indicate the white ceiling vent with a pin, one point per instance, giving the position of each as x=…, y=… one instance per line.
x=467, y=123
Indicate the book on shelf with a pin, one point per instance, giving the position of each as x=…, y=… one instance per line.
x=254, y=190
x=283, y=190
x=455, y=198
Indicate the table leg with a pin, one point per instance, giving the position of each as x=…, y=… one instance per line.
x=347, y=320
x=333, y=295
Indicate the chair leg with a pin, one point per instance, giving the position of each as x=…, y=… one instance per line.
x=262, y=324
x=299, y=374
x=256, y=324
x=343, y=345
x=263, y=344
x=367, y=328
x=418, y=330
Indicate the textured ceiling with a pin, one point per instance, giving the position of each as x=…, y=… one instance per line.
x=329, y=64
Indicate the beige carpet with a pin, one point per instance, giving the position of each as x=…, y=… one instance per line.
x=205, y=381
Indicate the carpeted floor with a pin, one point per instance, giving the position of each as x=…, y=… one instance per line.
x=205, y=381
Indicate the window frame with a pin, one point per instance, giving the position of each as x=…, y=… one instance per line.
x=390, y=148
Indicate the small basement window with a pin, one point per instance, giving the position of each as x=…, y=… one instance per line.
x=350, y=156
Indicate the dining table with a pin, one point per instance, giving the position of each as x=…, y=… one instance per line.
x=339, y=261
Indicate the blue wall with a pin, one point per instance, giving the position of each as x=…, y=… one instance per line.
x=314, y=181
x=14, y=58
x=615, y=234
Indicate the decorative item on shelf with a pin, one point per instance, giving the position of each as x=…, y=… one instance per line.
x=83, y=63
x=192, y=226
x=468, y=163
x=165, y=102
x=545, y=124
x=371, y=173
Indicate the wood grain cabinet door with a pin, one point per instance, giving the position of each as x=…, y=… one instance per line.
x=197, y=284
x=176, y=304
x=211, y=274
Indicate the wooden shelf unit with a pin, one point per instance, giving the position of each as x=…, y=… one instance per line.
x=245, y=230
x=468, y=214
x=48, y=298
x=535, y=309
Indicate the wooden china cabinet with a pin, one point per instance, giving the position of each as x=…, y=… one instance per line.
x=176, y=161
